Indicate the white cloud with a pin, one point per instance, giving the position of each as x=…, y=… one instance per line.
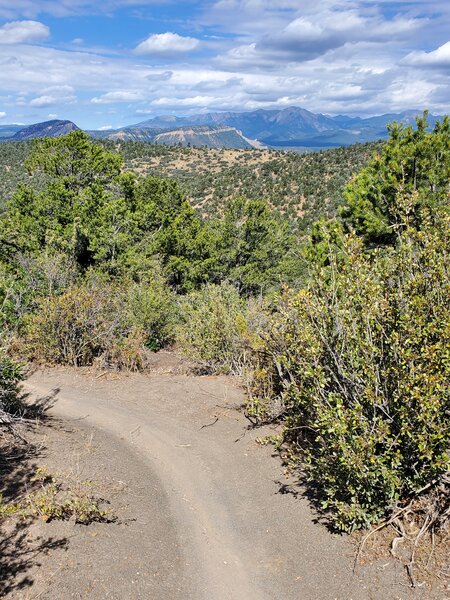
x=309, y=36
x=351, y=79
x=23, y=32
x=2, y=115
x=42, y=101
x=165, y=76
x=167, y=44
x=437, y=58
x=59, y=94
x=119, y=96
x=198, y=101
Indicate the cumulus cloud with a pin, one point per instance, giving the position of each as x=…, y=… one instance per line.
x=197, y=101
x=213, y=85
x=59, y=94
x=23, y=32
x=250, y=57
x=439, y=58
x=167, y=44
x=2, y=115
x=119, y=96
x=307, y=37
x=43, y=101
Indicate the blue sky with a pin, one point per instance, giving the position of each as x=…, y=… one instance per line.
x=118, y=62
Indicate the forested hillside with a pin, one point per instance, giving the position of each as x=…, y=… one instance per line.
x=304, y=186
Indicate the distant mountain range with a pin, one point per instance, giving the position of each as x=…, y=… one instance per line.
x=295, y=126
x=7, y=131
x=287, y=128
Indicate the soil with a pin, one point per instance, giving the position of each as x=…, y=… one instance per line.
x=202, y=509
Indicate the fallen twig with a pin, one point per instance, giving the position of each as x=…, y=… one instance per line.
x=210, y=424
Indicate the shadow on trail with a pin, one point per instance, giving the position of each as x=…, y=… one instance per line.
x=303, y=488
x=16, y=454
x=39, y=407
x=17, y=556
x=17, y=466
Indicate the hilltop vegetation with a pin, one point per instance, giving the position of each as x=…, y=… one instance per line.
x=303, y=186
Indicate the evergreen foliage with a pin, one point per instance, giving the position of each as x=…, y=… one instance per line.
x=304, y=187
x=97, y=254
x=254, y=247
x=411, y=171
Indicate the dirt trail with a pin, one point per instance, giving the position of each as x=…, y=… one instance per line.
x=222, y=523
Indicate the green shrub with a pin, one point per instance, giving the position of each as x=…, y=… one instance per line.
x=358, y=368
x=25, y=278
x=212, y=322
x=151, y=307
x=115, y=323
x=411, y=172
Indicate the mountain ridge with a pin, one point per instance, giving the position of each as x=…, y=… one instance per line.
x=289, y=128
x=296, y=125
x=211, y=136
x=7, y=131
x=53, y=128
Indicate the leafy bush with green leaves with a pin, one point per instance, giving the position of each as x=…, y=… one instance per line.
x=114, y=322
x=359, y=366
x=211, y=324
x=151, y=307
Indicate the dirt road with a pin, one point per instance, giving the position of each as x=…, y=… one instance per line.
x=211, y=522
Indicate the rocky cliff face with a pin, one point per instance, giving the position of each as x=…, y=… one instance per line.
x=214, y=136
